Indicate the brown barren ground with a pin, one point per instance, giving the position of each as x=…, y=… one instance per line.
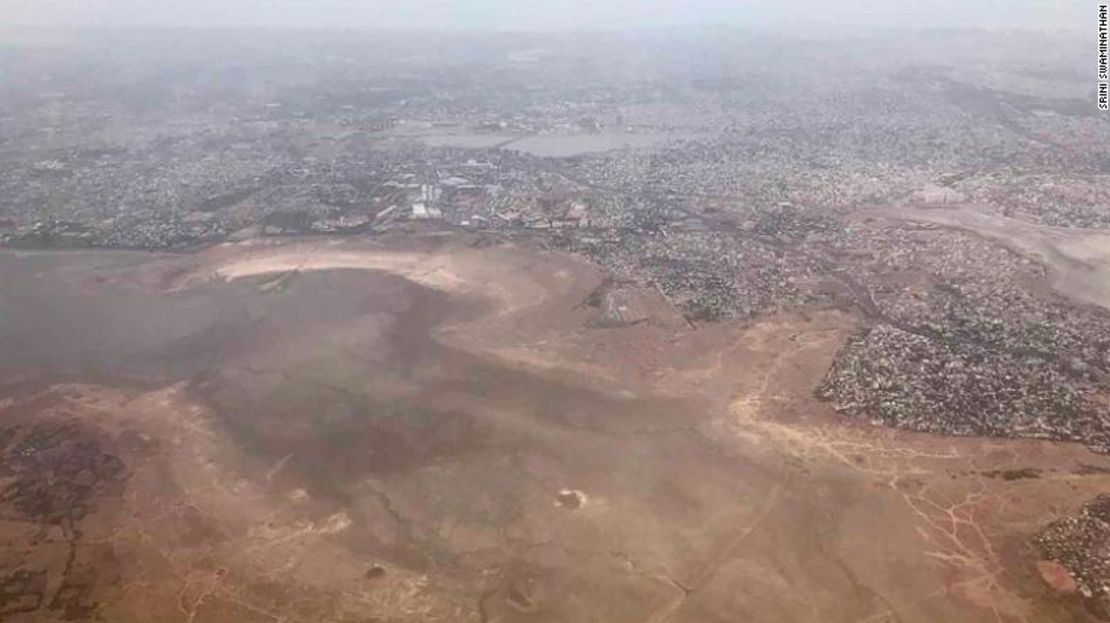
x=433, y=430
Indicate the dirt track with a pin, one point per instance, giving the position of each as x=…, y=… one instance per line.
x=428, y=430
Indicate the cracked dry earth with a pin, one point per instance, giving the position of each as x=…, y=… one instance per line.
x=433, y=430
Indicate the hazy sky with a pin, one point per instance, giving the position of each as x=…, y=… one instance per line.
x=549, y=14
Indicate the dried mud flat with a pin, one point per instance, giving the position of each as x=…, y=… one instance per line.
x=438, y=430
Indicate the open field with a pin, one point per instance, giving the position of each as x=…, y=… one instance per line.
x=410, y=430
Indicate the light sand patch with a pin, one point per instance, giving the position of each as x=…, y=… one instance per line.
x=483, y=273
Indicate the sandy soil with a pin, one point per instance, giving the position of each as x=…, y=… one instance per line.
x=433, y=430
